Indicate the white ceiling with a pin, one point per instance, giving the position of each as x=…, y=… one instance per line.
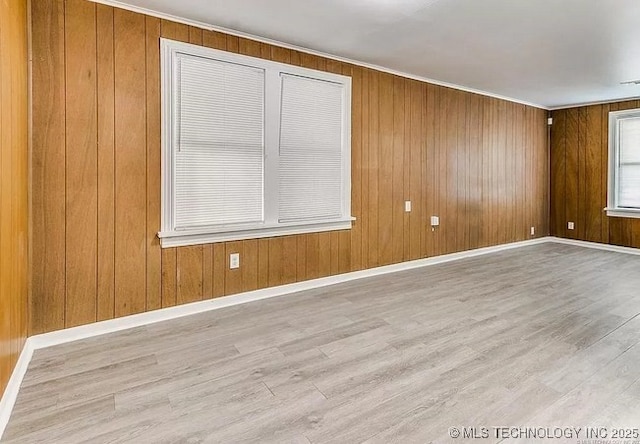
x=546, y=52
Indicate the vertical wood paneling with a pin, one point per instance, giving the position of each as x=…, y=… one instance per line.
x=154, y=253
x=571, y=170
x=313, y=256
x=275, y=261
x=81, y=163
x=593, y=165
x=288, y=259
x=214, y=39
x=530, y=171
x=106, y=164
x=344, y=251
x=190, y=274
x=175, y=31
x=334, y=252
x=301, y=258
x=364, y=176
x=432, y=246
x=385, y=169
x=511, y=185
x=449, y=140
x=220, y=265
x=373, y=237
x=462, y=173
x=579, y=176
x=519, y=155
x=474, y=162
x=130, y=162
x=263, y=263
x=543, y=153
x=14, y=180
x=250, y=265
x=604, y=176
x=397, y=173
x=47, y=306
x=455, y=155
x=356, y=170
x=324, y=241
x=406, y=172
x=416, y=172
x=21, y=191
x=504, y=132
x=487, y=176
x=581, y=194
x=207, y=271
x=249, y=47
x=558, y=174
x=195, y=35
x=169, y=277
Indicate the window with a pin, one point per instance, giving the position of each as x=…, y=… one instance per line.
x=624, y=164
x=251, y=148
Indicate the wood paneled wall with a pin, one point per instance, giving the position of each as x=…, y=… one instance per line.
x=579, y=177
x=14, y=205
x=479, y=163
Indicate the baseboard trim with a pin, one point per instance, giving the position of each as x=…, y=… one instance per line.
x=595, y=245
x=138, y=320
x=13, y=386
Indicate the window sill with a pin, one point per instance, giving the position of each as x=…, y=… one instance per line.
x=186, y=238
x=623, y=212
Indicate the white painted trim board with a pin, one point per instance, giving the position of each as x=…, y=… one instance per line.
x=114, y=325
x=13, y=387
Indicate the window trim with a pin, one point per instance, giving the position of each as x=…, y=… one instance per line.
x=169, y=236
x=613, y=210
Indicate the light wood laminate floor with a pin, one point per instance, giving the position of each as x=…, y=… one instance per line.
x=545, y=335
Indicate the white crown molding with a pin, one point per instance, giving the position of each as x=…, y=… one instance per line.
x=114, y=325
x=210, y=27
x=601, y=102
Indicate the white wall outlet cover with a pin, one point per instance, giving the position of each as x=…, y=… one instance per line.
x=234, y=260
x=407, y=206
x=571, y=226
x=533, y=231
x=435, y=221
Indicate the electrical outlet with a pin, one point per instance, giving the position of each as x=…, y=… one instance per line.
x=234, y=261
x=435, y=221
x=533, y=231
x=571, y=226
x=407, y=206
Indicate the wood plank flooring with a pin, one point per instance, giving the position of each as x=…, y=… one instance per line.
x=545, y=335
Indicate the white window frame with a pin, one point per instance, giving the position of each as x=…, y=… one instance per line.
x=613, y=209
x=172, y=237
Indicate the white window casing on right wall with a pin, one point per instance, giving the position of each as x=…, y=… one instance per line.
x=624, y=164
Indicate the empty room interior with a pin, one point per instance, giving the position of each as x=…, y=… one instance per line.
x=340, y=221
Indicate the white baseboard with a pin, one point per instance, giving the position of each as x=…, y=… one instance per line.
x=13, y=387
x=595, y=246
x=100, y=328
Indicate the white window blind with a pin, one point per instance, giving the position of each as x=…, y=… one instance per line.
x=251, y=148
x=310, y=149
x=219, y=162
x=629, y=166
